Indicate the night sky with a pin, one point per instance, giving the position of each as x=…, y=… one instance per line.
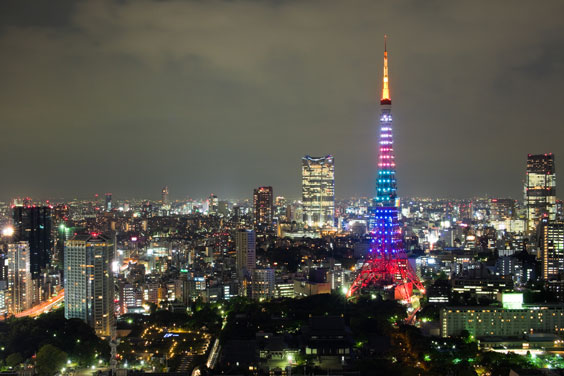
x=224, y=96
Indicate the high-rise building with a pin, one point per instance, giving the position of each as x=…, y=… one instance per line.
x=108, y=202
x=502, y=208
x=318, y=191
x=89, y=283
x=164, y=195
x=3, y=298
x=540, y=189
x=32, y=224
x=551, y=239
x=263, y=209
x=245, y=245
x=213, y=204
x=280, y=206
x=20, y=284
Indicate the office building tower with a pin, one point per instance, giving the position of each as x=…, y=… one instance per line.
x=89, y=283
x=20, y=284
x=32, y=224
x=263, y=284
x=502, y=208
x=318, y=191
x=540, y=189
x=245, y=245
x=164, y=195
x=263, y=209
x=551, y=241
x=213, y=204
x=152, y=292
x=465, y=211
x=280, y=206
x=223, y=208
x=130, y=296
x=108, y=202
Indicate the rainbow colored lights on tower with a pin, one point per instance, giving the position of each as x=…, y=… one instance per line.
x=386, y=231
x=386, y=267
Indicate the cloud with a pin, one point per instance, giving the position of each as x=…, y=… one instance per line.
x=223, y=96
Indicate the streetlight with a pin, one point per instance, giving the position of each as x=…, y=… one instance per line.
x=290, y=358
x=8, y=231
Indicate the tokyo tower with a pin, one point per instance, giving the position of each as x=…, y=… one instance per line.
x=386, y=267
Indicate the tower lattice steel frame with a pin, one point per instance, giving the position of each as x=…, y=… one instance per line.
x=386, y=266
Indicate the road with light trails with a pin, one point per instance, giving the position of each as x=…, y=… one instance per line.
x=41, y=308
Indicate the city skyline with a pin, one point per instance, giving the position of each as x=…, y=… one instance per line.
x=223, y=187
x=88, y=86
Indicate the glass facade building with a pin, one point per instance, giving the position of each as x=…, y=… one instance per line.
x=318, y=191
x=540, y=189
x=32, y=224
x=551, y=238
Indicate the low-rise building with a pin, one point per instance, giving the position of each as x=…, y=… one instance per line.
x=515, y=321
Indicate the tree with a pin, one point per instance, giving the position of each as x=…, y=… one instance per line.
x=49, y=360
x=14, y=360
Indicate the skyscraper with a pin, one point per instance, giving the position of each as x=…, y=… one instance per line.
x=164, y=195
x=263, y=209
x=213, y=204
x=318, y=191
x=540, y=189
x=502, y=208
x=89, y=283
x=245, y=246
x=108, y=202
x=20, y=284
x=32, y=224
x=551, y=239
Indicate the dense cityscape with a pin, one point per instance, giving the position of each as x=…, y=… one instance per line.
x=270, y=284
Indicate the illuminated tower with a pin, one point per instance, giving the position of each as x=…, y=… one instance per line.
x=386, y=267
